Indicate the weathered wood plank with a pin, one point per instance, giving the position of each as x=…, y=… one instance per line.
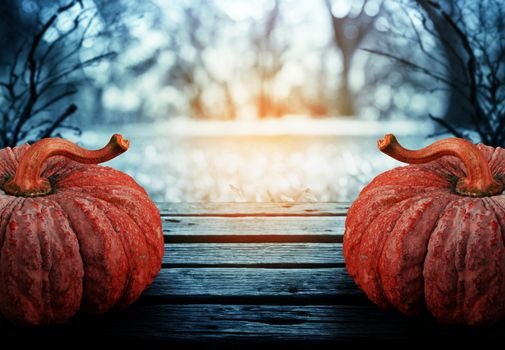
x=252, y=255
x=254, y=229
x=191, y=283
x=254, y=209
x=330, y=225
x=259, y=238
x=202, y=324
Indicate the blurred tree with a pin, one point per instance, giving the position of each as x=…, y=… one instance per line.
x=14, y=23
x=197, y=43
x=38, y=78
x=350, y=28
x=191, y=42
x=118, y=19
x=456, y=104
x=389, y=90
x=268, y=61
x=471, y=34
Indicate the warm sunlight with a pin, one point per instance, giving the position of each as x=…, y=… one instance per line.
x=292, y=159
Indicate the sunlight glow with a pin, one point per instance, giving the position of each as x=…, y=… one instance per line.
x=293, y=125
x=292, y=159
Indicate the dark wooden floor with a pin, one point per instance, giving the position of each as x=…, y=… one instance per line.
x=254, y=273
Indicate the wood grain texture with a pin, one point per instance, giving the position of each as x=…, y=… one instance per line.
x=252, y=255
x=331, y=225
x=312, y=229
x=235, y=209
x=249, y=282
x=252, y=325
x=258, y=238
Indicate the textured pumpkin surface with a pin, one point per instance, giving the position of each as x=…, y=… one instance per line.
x=412, y=243
x=95, y=242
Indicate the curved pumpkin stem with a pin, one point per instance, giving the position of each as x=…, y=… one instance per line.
x=479, y=181
x=27, y=181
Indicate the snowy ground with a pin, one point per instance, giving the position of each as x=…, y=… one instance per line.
x=293, y=159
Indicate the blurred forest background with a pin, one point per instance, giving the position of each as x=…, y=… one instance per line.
x=267, y=100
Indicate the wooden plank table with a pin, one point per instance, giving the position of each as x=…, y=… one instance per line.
x=253, y=273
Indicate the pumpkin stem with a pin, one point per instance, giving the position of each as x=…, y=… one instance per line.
x=27, y=181
x=479, y=181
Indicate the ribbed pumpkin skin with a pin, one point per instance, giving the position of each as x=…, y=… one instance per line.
x=411, y=243
x=94, y=243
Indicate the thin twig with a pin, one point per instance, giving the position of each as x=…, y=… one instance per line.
x=447, y=126
x=415, y=66
x=57, y=122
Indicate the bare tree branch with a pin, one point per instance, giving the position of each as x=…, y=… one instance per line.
x=471, y=67
x=33, y=88
x=59, y=120
x=49, y=82
x=417, y=67
x=55, y=99
x=476, y=51
x=446, y=126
